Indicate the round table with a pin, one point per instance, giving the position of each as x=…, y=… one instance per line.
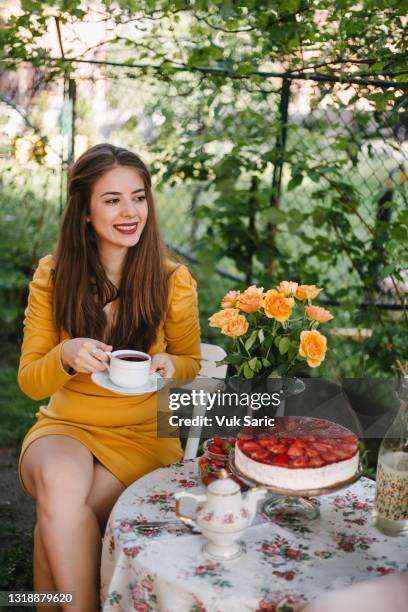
x=281, y=570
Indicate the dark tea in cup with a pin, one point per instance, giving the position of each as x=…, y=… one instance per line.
x=131, y=357
x=129, y=368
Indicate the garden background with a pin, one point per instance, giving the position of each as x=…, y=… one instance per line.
x=277, y=135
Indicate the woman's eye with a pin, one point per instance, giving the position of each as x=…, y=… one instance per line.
x=141, y=198
x=112, y=201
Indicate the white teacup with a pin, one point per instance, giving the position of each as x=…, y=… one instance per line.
x=128, y=368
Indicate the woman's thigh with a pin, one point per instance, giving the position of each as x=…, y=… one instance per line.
x=104, y=492
x=57, y=468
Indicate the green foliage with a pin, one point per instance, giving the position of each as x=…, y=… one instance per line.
x=268, y=347
x=202, y=71
x=17, y=412
x=27, y=233
x=15, y=556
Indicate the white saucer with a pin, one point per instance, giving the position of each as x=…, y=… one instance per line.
x=154, y=383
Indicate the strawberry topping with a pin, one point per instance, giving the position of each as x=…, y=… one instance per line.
x=299, y=442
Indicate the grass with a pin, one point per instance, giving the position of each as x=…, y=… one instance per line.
x=17, y=414
x=15, y=553
x=17, y=411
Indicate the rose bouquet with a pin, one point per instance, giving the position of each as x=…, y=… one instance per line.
x=272, y=331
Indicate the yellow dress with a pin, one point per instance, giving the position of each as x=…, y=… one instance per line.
x=120, y=431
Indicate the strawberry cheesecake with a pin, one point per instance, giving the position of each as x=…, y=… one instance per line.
x=297, y=453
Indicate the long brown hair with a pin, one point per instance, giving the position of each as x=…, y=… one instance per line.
x=81, y=287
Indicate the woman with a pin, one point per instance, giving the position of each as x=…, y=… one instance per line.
x=108, y=287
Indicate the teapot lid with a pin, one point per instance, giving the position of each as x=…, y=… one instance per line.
x=224, y=485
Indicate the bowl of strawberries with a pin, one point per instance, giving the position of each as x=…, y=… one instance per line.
x=216, y=458
x=218, y=449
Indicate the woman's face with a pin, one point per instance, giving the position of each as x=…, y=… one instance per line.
x=118, y=208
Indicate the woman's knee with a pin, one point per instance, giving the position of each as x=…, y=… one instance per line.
x=61, y=483
x=58, y=476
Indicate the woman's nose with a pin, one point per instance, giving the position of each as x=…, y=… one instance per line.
x=129, y=208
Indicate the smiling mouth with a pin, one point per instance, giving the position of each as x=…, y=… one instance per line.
x=126, y=228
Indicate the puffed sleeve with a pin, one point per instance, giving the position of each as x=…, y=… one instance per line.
x=41, y=372
x=182, y=326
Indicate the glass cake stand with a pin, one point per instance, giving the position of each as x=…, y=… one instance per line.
x=288, y=507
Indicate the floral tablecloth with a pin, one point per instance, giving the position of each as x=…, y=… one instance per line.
x=282, y=568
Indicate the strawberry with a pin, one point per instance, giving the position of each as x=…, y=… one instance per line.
x=349, y=440
x=349, y=448
x=299, y=442
x=217, y=440
x=320, y=446
x=215, y=449
x=309, y=439
x=265, y=442
x=340, y=453
x=299, y=462
x=316, y=462
x=250, y=445
x=295, y=450
x=277, y=448
x=329, y=457
x=282, y=460
x=259, y=455
x=311, y=452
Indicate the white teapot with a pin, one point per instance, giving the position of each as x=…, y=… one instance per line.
x=222, y=515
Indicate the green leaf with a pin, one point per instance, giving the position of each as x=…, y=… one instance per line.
x=274, y=215
x=261, y=335
x=244, y=69
x=295, y=181
x=284, y=345
x=251, y=340
x=258, y=365
x=252, y=363
x=248, y=373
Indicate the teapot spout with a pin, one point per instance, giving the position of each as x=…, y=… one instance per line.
x=251, y=501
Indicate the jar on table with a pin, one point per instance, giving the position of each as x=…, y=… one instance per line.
x=216, y=458
x=390, y=512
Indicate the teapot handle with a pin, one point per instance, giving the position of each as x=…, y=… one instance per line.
x=184, y=517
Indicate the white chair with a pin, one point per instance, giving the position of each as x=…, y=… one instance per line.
x=211, y=378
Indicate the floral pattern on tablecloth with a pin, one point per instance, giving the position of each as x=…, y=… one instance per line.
x=282, y=567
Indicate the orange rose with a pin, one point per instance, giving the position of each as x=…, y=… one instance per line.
x=221, y=318
x=277, y=305
x=307, y=292
x=229, y=299
x=316, y=313
x=237, y=326
x=251, y=299
x=313, y=346
x=287, y=287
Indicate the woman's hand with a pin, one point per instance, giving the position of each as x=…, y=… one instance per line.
x=84, y=355
x=163, y=365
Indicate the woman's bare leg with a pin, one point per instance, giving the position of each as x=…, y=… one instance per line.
x=58, y=471
x=42, y=576
x=105, y=490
